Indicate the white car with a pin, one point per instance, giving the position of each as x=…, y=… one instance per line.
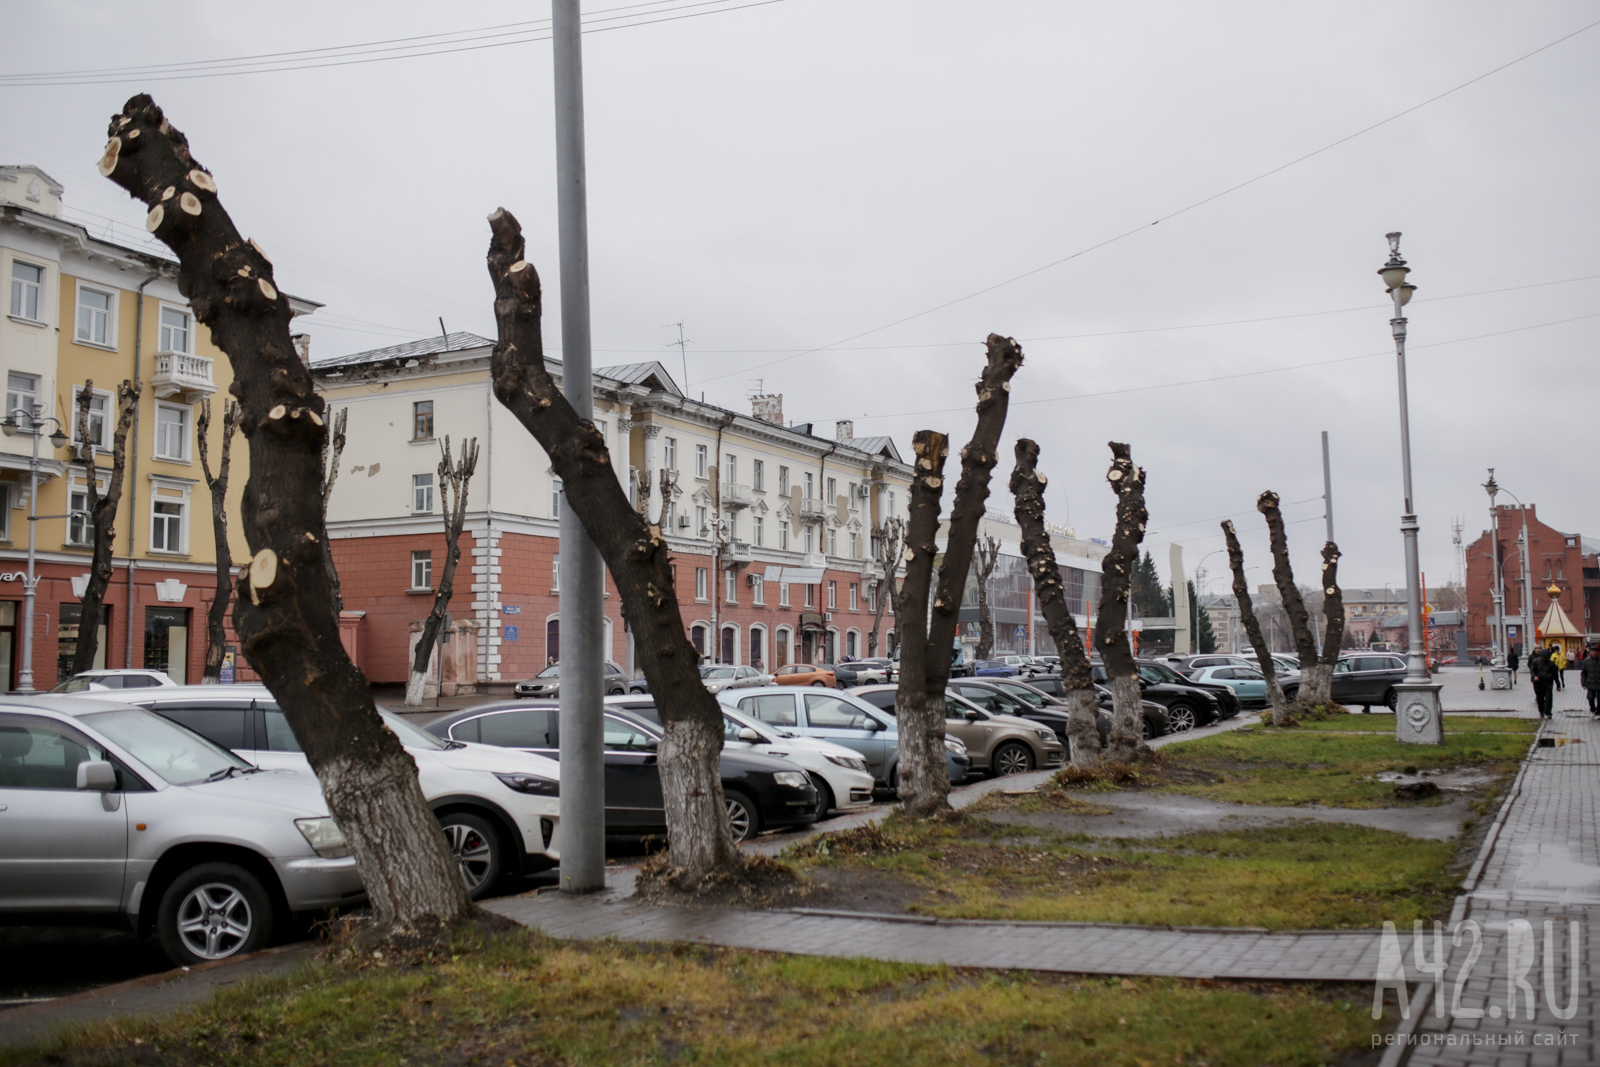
x=119, y=678
x=499, y=809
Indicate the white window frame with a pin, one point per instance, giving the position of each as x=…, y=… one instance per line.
x=855, y=604
x=783, y=535
x=22, y=399
x=103, y=442
x=855, y=545
x=756, y=530
x=422, y=490
x=783, y=594
x=732, y=463
x=811, y=596
x=832, y=499
x=853, y=504
x=555, y=498
x=701, y=457
x=702, y=522
x=161, y=492
x=669, y=453
x=758, y=476
x=20, y=290
x=758, y=590
x=110, y=324
x=186, y=416
x=555, y=572
x=730, y=587
x=702, y=584
x=78, y=487
x=833, y=595
x=422, y=570
x=783, y=481
x=811, y=485
x=833, y=542
x=164, y=334
x=811, y=540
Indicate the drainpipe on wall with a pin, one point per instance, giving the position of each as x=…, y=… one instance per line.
x=133, y=481
x=716, y=545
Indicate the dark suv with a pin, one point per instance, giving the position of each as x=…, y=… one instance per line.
x=1368, y=678
x=1006, y=696
x=1188, y=706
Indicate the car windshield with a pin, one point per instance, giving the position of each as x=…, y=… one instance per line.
x=1160, y=672
x=741, y=722
x=718, y=672
x=79, y=684
x=1023, y=693
x=409, y=735
x=180, y=756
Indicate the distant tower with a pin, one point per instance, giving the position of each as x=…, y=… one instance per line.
x=1461, y=550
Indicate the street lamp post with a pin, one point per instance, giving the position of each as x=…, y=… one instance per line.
x=1419, y=717
x=34, y=419
x=1499, y=673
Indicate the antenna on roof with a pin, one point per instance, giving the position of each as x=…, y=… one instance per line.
x=683, y=352
x=444, y=333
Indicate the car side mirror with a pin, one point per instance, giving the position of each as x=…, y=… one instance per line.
x=972, y=714
x=97, y=775
x=747, y=734
x=875, y=726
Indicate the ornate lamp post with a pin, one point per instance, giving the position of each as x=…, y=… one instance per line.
x=32, y=424
x=1499, y=673
x=1419, y=717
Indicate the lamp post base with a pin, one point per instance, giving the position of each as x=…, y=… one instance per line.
x=1418, y=715
x=1499, y=677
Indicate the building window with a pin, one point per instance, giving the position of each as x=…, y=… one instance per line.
x=672, y=515
x=811, y=596
x=94, y=316
x=555, y=573
x=833, y=542
x=177, y=331
x=832, y=499
x=699, y=461
x=701, y=584
x=855, y=545
x=422, y=420
x=701, y=527
x=756, y=525
x=891, y=504
x=758, y=641
x=783, y=594
x=172, y=432
x=783, y=535
x=733, y=467
x=833, y=595
x=851, y=643
x=872, y=599
x=783, y=481
x=730, y=587
x=27, y=283
x=555, y=498
x=422, y=570
x=758, y=476
x=811, y=540
x=669, y=453
x=22, y=395
x=852, y=502
x=166, y=526
x=5, y=512
x=422, y=494
x=99, y=427
x=758, y=591
x=80, y=525
x=810, y=486
x=853, y=605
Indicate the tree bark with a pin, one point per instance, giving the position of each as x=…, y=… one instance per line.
x=698, y=835
x=889, y=537
x=103, y=516
x=453, y=478
x=217, y=617
x=284, y=613
x=669, y=481
x=925, y=779
x=986, y=553
x=1294, y=605
x=1333, y=635
x=1252, y=628
x=332, y=449
x=1083, y=714
x=1110, y=629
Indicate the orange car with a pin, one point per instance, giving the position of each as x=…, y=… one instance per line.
x=805, y=674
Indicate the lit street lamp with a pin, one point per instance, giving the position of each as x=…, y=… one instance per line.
x=1419, y=717
x=32, y=424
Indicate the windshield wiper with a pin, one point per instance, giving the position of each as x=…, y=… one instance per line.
x=219, y=775
x=453, y=744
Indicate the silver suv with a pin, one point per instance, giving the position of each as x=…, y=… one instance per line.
x=107, y=810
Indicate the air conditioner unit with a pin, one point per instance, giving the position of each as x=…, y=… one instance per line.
x=683, y=522
x=752, y=580
x=864, y=492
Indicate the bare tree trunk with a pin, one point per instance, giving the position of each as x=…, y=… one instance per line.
x=453, y=478
x=1294, y=605
x=986, y=553
x=669, y=480
x=1252, y=628
x=1083, y=714
x=700, y=840
x=102, y=515
x=332, y=449
x=285, y=614
x=1110, y=630
x=642, y=491
x=888, y=538
x=217, y=617
x=1333, y=636
x=924, y=777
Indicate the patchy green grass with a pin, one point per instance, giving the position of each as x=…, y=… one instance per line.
x=522, y=999
x=1384, y=724
x=1298, y=877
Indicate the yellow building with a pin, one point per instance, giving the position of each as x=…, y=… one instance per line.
x=81, y=308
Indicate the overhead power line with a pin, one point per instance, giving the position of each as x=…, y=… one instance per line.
x=1170, y=215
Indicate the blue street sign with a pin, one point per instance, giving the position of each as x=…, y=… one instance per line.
x=510, y=633
x=511, y=609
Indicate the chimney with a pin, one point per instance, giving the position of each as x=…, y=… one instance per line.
x=302, y=347
x=844, y=430
x=768, y=407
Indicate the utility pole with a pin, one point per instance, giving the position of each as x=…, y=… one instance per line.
x=1327, y=485
x=583, y=810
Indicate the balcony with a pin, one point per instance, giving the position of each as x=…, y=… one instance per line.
x=182, y=375
x=735, y=495
x=813, y=559
x=811, y=510
x=737, y=552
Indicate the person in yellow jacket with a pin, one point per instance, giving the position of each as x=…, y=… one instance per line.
x=1558, y=656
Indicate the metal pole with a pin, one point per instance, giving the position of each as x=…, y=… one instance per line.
x=1327, y=485
x=1527, y=588
x=583, y=854
x=1416, y=662
x=31, y=583
x=1498, y=652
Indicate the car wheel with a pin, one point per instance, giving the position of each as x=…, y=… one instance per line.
x=1391, y=700
x=638, y=689
x=211, y=912
x=742, y=815
x=1292, y=694
x=619, y=691
x=1181, y=718
x=819, y=685
x=477, y=849
x=825, y=800
x=1011, y=758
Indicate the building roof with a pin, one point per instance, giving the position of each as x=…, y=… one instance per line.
x=428, y=346
x=875, y=446
x=651, y=374
x=1556, y=623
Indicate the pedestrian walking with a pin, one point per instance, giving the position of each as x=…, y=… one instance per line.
x=1558, y=655
x=1512, y=659
x=1542, y=669
x=1589, y=675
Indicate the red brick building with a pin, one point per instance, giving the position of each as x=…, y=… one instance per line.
x=1554, y=558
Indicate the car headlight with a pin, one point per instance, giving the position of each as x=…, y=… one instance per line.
x=324, y=837
x=951, y=744
x=530, y=783
x=851, y=762
x=792, y=779
x=1045, y=735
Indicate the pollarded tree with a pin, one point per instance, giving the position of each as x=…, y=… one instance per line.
x=454, y=474
x=1110, y=631
x=284, y=611
x=886, y=552
x=217, y=617
x=986, y=554
x=1316, y=687
x=1083, y=714
x=1294, y=605
x=102, y=514
x=332, y=449
x=699, y=838
x=927, y=632
x=1252, y=628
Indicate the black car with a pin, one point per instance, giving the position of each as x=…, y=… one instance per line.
x=762, y=792
x=1158, y=676
x=1156, y=721
x=1368, y=678
x=1188, y=706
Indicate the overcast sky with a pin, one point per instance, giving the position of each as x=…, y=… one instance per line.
x=793, y=174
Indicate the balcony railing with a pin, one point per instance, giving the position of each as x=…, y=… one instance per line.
x=735, y=495
x=180, y=374
x=813, y=559
x=811, y=509
x=737, y=552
